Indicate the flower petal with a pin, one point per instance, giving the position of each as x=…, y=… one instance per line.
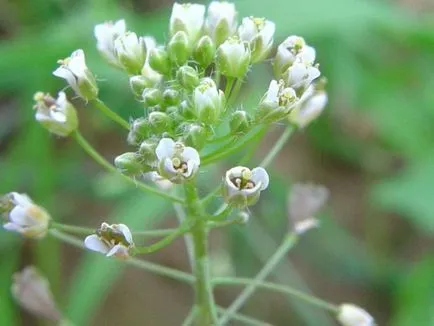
x=93, y=242
x=259, y=175
x=165, y=148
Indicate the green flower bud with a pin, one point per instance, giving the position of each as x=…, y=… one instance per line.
x=160, y=122
x=129, y=164
x=151, y=97
x=140, y=129
x=171, y=97
x=159, y=60
x=195, y=135
x=188, y=77
x=138, y=84
x=240, y=122
x=6, y=204
x=186, y=110
x=233, y=58
x=204, y=51
x=178, y=48
x=147, y=152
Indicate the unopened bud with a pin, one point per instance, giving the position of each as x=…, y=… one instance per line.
x=178, y=48
x=187, y=18
x=188, y=77
x=233, y=58
x=221, y=21
x=195, y=136
x=129, y=164
x=160, y=122
x=208, y=101
x=171, y=97
x=138, y=84
x=151, y=97
x=240, y=122
x=139, y=131
x=242, y=217
x=147, y=152
x=204, y=51
x=159, y=60
x=351, y=315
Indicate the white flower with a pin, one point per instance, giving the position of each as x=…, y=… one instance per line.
x=32, y=291
x=311, y=105
x=176, y=162
x=242, y=186
x=258, y=32
x=77, y=75
x=106, y=34
x=300, y=75
x=233, y=58
x=304, y=201
x=27, y=218
x=208, y=101
x=152, y=77
x=221, y=21
x=351, y=315
x=130, y=51
x=56, y=115
x=161, y=182
x=111, y=240
x=188, y=18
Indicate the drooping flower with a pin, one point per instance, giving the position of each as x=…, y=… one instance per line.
x=258, y=33
x=233, y=58
x=352, y=315
x=188, y=18
x=310, y=107
x=130, y=52
x=56, y=115
x=176, y=162
x=26, y=218
x=106, y=34
x=74, y=70
x=242, y=186
x=111, y=240
x=32, y=292
x=208, y=101
x=221, y=21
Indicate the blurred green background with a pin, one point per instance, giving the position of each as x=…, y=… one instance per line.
x=373, y=148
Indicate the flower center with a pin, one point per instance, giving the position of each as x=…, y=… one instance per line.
x=111, y=236
x=179, y=165
x=244, y=181
x=259, y=23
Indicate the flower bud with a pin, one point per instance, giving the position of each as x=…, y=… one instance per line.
x=159, y=60
x=242, y=186
x=221, y=21
x=188, y=77
x=208, y=101
x=204, y=51
x=160, y=122
x=242, y=217
x=351, y=315
x=78, y=76
x=147, y=152
x=56, y=115
x=130, y=51
x=176, y=162
x=25, y=217
x=239, y=122
x=311, y=105
x=171, y=97
x=129, y=164
x=111, y=240
x=139, y=131
x=187, y=18
x=152, y=97
x=187, y=110
x=233, y=58
x=32, y=292
x=195, y=135
x=105, y=35
x=138, y=84
x=178, y=48
x=258, y=33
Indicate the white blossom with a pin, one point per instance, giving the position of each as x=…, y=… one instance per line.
x=208, y=101
x=258, y=33
x=310, y=107
x=77, y=75
x=301, y=75
x=351, y=315
x=189, y=18
x=277, y=102
x=233, y=58
x=111, y=240
x=130, y=51
x=106, y=34
x=221, y=21
x=56, y=115
x=242, y=186
x=26, y=218
x=176, y=162
x=32, y=291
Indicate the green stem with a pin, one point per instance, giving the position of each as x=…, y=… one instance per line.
x=222, y=213
x=228, y=88
x=109, y=113
x=280, y=253
x=277, y=147
x=103, y=162
x=190, y=317
x=235, y=92
x=204, y=300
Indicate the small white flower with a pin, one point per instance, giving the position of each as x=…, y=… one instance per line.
x=32, y=291
x=208, y=101
x=221, y=21
x=351, y=315
x=233, y=58
x=77, y=75
x=310, y=107
x=242, y=186
x=304, y=201
x=106, y=34
x=189, y=18
x=176, y=162
x=161, y=182
x=301, y=75
x=111, y=240
x=56, y=115
x=258, y=33
x=130, y=51
x=27, y=218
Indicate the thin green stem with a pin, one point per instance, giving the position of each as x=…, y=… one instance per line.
x=100, y=105
x=214, y=225
x=235, y=92
x=103, y=162
x=277, y=147
x=182, y=217
x=280, y=253
x=221, y=138
x=222, y=213
x=190, y=317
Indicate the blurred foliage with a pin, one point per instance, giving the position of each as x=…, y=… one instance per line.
x=379, y=61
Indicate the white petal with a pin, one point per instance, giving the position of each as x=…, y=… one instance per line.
x=12, y=227
x=77, y=63
x=192, y=167
x=259, y=175
x=165, y=148
x=126, y=232
x=21, y=199
x=251, y=191
x=190, y=154
x=66, y=74
x=119, y=251
x=168, y=166
x=94, y=243
x=18, y=215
